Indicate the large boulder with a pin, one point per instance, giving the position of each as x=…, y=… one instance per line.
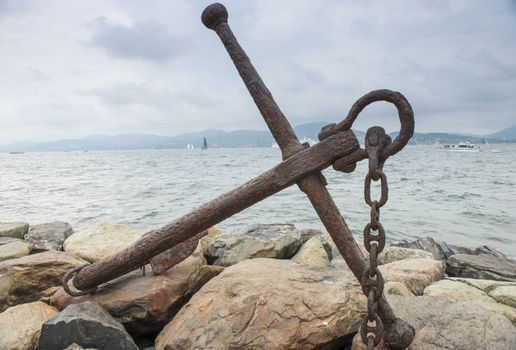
x=443, y=324
x=20, y=325
x=415, y=274
x=49, y=236
x=13, y=229
x=33, y=277
x=100, y=241
x=492, y=297
x=482, y=266
x=87, y=325
x=315, y=252
x=269, y=304
x=12, y=248
x=280, y=241
x=144, y=304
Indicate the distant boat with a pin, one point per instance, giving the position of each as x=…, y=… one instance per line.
x=462, y=147
x=484, y=141
x=16, y=152
x=204, y=144
x=190, y=146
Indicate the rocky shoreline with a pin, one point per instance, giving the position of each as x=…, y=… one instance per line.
x=259, y=287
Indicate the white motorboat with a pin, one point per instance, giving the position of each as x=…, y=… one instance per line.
x=462, y=147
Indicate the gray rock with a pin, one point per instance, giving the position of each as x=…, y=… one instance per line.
x=462, y=290
x=482, y=266
x=415, y=274
x=442, y=324
x=49, y=236
x=397, y=288
x=315, y=252
x=6, y=240
x=442, y=250
x=20, y=325
x=13, y=229
x=439, y=251
x=490, y=251
x=144, y=304
x=505, y=295
x=100, y=241
x=269, y=304
x=390, y=254
x=280, y=241
x=33, y=277
x=87, y=325
x=484, y=285
x=12, y=248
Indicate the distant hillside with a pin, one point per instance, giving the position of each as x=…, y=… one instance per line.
x=505, y=134
x=440, y=137
x=219, y=138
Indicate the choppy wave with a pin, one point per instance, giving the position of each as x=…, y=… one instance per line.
x=464, y=199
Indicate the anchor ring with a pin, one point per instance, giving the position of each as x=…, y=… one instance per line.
x=70, y=275
x=405, y=114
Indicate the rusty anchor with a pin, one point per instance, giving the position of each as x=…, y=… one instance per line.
x=301, y=165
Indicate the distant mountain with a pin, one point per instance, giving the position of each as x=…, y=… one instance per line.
x=219, y=138
x=311, y=130
x=101, y=142
x=505, y=134
x=440, y=137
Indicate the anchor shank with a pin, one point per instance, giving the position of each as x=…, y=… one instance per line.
x=276, y=121
x=309, y=161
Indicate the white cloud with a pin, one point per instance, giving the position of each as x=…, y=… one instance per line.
x=70, y=69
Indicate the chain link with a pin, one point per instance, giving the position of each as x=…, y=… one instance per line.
x=372, y=280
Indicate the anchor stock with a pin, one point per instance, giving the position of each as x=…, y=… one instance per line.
x=302, y=164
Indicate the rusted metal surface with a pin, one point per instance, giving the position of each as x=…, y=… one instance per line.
x=302, y=165
x=372, y=281
x=285, y=174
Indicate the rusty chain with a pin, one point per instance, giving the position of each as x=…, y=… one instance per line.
x=372, y=280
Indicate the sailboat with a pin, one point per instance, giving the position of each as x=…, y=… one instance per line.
x=204, y=145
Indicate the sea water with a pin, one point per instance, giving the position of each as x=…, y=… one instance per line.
x=463, y=198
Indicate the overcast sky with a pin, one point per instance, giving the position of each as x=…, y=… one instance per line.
x=75, y=68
